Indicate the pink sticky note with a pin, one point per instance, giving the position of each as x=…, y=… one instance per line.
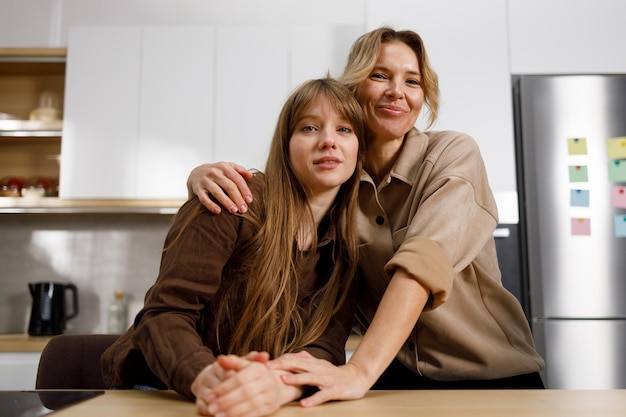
x=581, y=226
x=618, y=196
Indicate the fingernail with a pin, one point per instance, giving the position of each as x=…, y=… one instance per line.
x=232, y=209
x=248, y=199
x=243, y=208
x=212, y=409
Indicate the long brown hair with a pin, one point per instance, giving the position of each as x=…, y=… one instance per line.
x=268, y=318
x=364, y=54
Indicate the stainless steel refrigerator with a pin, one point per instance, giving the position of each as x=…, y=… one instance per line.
x=571, y=165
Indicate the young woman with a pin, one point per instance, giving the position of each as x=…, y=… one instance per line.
x=276, y=279
x=433, y=297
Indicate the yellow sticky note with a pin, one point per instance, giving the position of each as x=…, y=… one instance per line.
x=577, y=146
x=616, y=147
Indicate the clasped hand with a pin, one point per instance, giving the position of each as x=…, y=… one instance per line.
x=236, y=386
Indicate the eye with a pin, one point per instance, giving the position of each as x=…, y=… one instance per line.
x=378, y=76
x=414, y=81
x=308, y=128
x=345, y=129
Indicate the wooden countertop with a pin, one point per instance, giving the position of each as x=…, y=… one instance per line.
x=470, y=403
x=22, y=343
x=25, y=343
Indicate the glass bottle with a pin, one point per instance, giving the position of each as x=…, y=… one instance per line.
x=118, y=314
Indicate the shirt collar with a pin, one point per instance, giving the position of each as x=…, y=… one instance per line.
x=412, y=153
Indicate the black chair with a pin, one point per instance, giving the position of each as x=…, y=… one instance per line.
x=72, y=361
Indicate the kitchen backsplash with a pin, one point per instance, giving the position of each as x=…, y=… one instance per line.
x=99, y=253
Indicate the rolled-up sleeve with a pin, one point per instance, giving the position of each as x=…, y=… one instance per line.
x=427, y=263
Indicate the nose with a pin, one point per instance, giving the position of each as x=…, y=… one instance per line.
x=327, y=141
x=395, y=89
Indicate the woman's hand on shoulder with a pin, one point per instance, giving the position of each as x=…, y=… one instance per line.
x=225, y=182
x=344, y=382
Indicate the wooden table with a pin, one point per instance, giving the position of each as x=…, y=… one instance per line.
x=481, y=403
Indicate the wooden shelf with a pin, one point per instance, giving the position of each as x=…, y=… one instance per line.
x=59, y=205
x=31, y=128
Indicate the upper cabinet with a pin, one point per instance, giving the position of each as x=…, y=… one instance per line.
x=139, y=111
x=467, y=45
x=145, y=105
x=567, y=37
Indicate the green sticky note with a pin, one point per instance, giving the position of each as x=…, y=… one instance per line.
x=578, y=173
x=617, y=170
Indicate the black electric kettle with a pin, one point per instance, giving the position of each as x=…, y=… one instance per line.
x=49, y=311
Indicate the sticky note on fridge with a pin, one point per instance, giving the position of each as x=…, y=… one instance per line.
x=579, y=198
x=616, y=147
x=577, y=146
x=581, y=226
x=578, y=173
x=617, y=170
x=619, y=222
x=618, y=196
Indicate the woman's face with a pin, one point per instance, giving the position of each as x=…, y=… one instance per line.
x=323, y=149
x=392, y=96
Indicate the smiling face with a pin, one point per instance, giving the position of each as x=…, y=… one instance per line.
x=391, y=96
x=323, y=148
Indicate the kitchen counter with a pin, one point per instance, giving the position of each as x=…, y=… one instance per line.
x=470, y=403
x=22, y=342
x=25, y=343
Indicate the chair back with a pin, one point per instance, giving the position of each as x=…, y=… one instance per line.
x=72, y=361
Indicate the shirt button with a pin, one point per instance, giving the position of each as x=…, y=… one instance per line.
x=411, y=346
x=380, y=220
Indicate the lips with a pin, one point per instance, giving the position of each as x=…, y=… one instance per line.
x=327, y=161
x=388, y=108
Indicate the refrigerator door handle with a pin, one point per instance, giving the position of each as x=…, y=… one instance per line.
x=501, y=232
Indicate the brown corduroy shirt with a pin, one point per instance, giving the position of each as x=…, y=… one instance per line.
x=173, y=337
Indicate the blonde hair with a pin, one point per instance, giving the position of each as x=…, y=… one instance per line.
x=364, y=54
x=268, y=317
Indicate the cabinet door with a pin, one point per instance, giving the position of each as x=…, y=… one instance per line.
x=252, y=82
x=467, y=44
x=18, y=370
x=100, y=143
x=176, y=108
x=316, y=50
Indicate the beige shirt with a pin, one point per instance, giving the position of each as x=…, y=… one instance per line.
x=434, y=216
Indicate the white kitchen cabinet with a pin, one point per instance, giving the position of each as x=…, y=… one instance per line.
x=567, y=36
x=18, y=370
x=176, y=111
x=467, y=45
x=101, y=124
x=138, y=113
x=252, y=82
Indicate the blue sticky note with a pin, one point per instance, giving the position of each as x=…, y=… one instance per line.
x=617, y=170
x=619, y=222
x=579, y=198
